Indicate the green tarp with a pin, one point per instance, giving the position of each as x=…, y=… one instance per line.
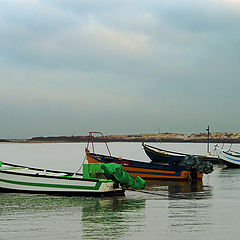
x=115, y=171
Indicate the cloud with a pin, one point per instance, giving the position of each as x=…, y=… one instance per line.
x=129, y=65
x=91, y=39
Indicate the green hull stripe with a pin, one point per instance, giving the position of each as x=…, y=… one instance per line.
x=45, y=185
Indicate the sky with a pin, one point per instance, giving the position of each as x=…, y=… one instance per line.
x=68, y=67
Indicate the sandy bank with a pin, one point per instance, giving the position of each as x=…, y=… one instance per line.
x=159, y=137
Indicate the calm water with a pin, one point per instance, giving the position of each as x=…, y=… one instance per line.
x=170, y=210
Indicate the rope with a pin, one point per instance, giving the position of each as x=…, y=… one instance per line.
x=159, y=194
x=148, y=192
x=82, y=163
x=153, y=193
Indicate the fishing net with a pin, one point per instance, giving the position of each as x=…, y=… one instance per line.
x=115, y=171
x=193, y=162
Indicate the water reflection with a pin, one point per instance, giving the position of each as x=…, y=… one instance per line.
x=112, y=218
x=188, y=209
x=29, y=215
x=188, y=217
x=228, y=179
x=11, y=203
x=180, y=189
x=229, y=172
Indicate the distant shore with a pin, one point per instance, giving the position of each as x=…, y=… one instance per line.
x=158, y=137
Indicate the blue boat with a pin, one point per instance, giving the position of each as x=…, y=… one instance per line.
x=165, y=157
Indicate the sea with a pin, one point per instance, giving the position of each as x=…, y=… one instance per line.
x=181, y=210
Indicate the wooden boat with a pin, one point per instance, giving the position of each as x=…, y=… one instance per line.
x=230, y=158
x=161, y=156
x=146, y=170
x=16, y=178
x=142, y=169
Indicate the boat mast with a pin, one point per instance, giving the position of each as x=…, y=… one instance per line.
x=208, y=140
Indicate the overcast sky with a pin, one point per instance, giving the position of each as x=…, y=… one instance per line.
x=71, y=66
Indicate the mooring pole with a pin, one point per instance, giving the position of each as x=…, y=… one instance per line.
x=208, y=140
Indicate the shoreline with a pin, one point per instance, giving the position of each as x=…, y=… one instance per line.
x=159, y=137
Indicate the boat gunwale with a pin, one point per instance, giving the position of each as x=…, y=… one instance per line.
x=230, y=154
x=67, y=177
x=162, y=151
x=39, y=169
x=179, y=153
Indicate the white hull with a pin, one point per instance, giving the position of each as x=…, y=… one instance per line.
x=229, y=158
x=28, y=180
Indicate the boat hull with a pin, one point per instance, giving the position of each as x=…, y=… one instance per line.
x=162, y=156
x=146, y=170
x=228, y=158
x=25, y=180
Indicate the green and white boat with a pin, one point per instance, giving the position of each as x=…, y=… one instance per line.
x=16, y=178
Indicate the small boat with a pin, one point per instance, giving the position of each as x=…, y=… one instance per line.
x=16, y=178
x=146, y=170
x=230, y=158
x=162, y=156
x=142, y=169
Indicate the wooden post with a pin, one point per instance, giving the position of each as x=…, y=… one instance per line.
x=208, y=140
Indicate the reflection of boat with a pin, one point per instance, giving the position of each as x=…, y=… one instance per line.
x=112, y=218
x=161, y=156
x=25, y=179
x=143, y=169
x=175, y=187
x=116, y=217
x=230, y=158
x=179, y=189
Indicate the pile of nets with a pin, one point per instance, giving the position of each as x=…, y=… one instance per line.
x=115, y=172
x=193, y=162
